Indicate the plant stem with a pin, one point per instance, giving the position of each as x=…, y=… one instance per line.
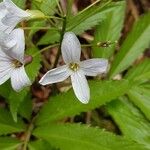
x=28, y=134
x=44, y=49
x=61, y=38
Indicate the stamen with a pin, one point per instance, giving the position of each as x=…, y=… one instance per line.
x=17, y=63
x=74, y=66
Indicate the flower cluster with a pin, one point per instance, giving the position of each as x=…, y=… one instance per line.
x=12, y=46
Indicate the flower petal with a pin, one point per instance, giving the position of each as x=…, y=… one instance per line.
x=15, y=10
x=55, y=75
x=71, y=48
x=93, y=67
x=19, y=79
x=17, y=42
x=80, y=86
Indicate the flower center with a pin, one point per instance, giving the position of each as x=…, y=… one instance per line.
x=17, y=63
x=74, y=66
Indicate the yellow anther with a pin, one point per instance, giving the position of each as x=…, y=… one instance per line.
x=74, y=66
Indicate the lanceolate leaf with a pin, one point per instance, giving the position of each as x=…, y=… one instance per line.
x=133, y=46
x=9, y=143
x=79, y=137
x=141, y=98
x=109, y=30
x=67, y=104
x=140, y=73
x=7, y=124
x=131, y=122
x=90, y=17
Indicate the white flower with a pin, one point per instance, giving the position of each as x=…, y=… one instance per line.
x=12, y=59
x=11, y=15
x=71, y=51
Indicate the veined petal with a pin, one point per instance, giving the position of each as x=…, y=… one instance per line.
x=93, y=67
x=55, y=75
x=80, y=86
x=16, y=38
x=19, y=79
x=14, y=9
x=71, y=48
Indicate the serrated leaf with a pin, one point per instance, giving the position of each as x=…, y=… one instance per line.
x=80, y=137
x=40, y=145
x=7, y=143
x=136, y=42
x=131, y=121
x=67, y=104
x=141, y=98
x=90, y=17
x=109, y=30
x=139, y=73
x=46, y=6
x=7, y=124
x=51, y=36
x=25, y=108
x=15, y=98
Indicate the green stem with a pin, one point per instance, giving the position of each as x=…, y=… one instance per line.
x=44, y=49
x=61, y=38
x=28, y=134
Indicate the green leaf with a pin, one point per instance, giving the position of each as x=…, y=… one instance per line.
x=80, y=137
x=15, y=98
x=25, y=109
x=131, y=121
x=90, y=17
x=9, y=143
x=140, y=73
x=46, y=6
x=67, y=104
x=20, y=3
x=34, y=67
x=40, y=145
x=141, y=98
x=136, y=42
x=109, y=30
x=51, y=36
x=7, y=125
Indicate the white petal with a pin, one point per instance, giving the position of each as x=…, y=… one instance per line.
x=10, y=16
x=17, y=52
x=19, y=79
x=14, y=9
x=71, y=48
x=93, y=67
x=80, y=86
x=55, y=75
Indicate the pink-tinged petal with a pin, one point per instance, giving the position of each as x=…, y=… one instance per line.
x=19, y=79
x=71, y=48
x=55, y=75
x=93, y=67
x=80, y=86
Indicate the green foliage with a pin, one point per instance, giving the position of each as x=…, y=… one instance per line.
x=7, y=143
x=133, y=46
x=109, y=30
x=36, y=63
x=90, y=17
x=141, y=98
x=46, y=6
x=7, y=124
x=130, y=121
x=66, y=104
x=20, y=3
x=80, y=137
x=139, y=73
x=40, y=145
